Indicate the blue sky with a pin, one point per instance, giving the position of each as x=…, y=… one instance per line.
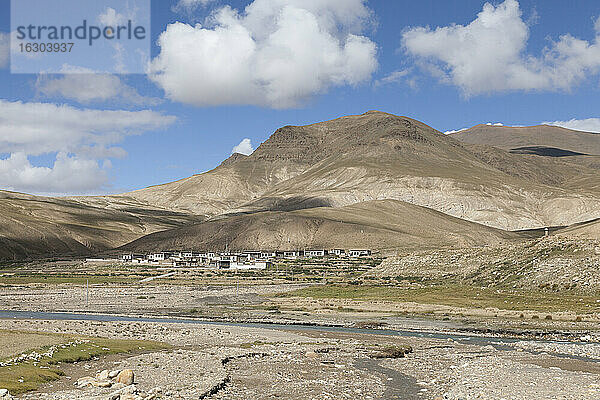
x=450, y=64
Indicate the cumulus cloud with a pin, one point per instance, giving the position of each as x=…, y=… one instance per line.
x=585, y=125
x=489, y=54
x=87, y=87
x=245, y=147
x=276, y=53
x=4, y=49
x=78, y=138
x=69, y=174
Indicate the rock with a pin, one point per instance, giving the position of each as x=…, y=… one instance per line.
x=311, y=355
x=118, y=386
x=393, y=352
x=103, y=384
x=124, y=391
x=5, y=395
x=85, y=381
x=126, y=377
x=129, y=396
x=102, y=376
x=113, y=374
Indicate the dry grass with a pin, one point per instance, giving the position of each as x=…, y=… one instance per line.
x=457, y=296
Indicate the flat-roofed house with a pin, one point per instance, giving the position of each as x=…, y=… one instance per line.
x=336, y=252
x=314, y=253
x=359, y=253
x=130, y=257
x=160, y=256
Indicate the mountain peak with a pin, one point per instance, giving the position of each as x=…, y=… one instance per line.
x=234, y=158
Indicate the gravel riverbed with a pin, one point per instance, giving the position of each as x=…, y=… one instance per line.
x=236, y=362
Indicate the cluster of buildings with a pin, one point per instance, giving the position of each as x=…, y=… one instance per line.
x=241, y=260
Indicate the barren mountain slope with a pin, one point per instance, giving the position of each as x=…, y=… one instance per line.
x=588, y=230
x=542, y=140
x=377, y=156
x=381, y=156
x=551, y=263
x=384, y=224
x=239, y=179
x=41, y=227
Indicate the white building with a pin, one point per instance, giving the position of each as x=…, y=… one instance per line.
x=359, y=253
x=314, y=253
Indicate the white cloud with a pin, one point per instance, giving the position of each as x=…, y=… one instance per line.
x=399, y=76
x=4, y=50
x=585, y=125
x=111, y=17
x=69, y=174
x=90, y=87
x=78, y=137
x=38, y=128
x=188, y=6
x=245, y=147
x=495, y=124
x=489, y=55
x=277, y=53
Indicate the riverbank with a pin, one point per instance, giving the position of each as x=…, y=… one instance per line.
x=259, y=363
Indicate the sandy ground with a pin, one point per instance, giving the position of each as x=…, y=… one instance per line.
x=251, y=363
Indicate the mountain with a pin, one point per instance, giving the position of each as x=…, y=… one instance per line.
x=33, y=226
x=377, y=156
x=586, y=230
x=541, y=140
x=381, y=225
x=371, y=180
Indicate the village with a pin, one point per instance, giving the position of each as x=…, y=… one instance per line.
x=255, y=259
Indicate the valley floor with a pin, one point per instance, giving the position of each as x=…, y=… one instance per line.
x=467, y=342
x=234, y=362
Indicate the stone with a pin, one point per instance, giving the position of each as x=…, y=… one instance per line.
x=126, y=377
x=4, y=394
x=311, y=355
x=85, y=381
x=113, y=374
x=128, y=396
x=102, y=384
x=123, y=391
x=102, y=376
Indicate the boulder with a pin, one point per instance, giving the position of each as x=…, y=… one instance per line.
x=126, y=377
x=103, y=384
x=86, y=381
x=102, y=376
x=124, y=391
x=113, y=374
x=5, y=395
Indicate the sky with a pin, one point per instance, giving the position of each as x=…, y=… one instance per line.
x=223, y=75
